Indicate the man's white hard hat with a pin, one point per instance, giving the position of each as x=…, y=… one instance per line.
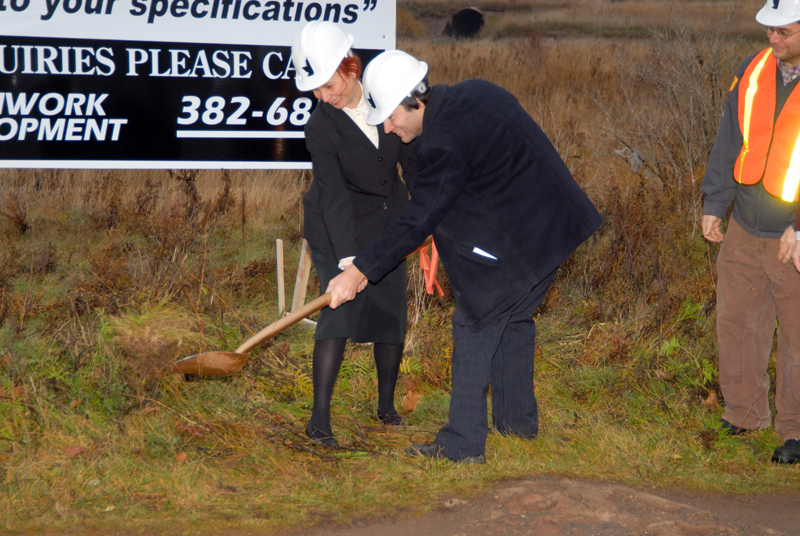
x=317, y=51
x=779, y=12
x=388, y=79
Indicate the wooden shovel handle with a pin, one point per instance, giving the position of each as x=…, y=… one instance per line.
x=293, y=318
x=289, y=320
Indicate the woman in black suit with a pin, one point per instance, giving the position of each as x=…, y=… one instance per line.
x=355, y=194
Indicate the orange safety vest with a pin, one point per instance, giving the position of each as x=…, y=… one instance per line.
x=771, y=149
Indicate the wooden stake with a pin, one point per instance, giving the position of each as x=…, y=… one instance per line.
x=281, y=289
x=301, y=283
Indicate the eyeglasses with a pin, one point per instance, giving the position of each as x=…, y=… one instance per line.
x=780, y=32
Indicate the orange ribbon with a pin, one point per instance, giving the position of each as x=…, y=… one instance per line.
x=429, y=266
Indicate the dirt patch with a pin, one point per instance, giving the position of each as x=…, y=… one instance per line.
x=545, y=505
x=552, y=505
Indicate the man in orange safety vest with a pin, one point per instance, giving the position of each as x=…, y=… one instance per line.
x=755, y=164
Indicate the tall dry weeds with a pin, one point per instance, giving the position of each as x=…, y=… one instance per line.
x=270, y=194
x=672, y=105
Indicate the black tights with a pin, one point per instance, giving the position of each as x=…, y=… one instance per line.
x=326, y=361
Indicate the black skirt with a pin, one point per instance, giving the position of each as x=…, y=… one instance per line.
x=377, y=314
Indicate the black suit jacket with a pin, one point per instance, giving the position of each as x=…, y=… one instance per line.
x=486, y=177
x=356, y=191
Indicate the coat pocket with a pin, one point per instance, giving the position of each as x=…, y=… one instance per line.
x=469, y=252
x=314, y=230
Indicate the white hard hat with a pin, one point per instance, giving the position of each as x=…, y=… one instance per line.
x=779, y=12
x=317, y=51
x=388, y=79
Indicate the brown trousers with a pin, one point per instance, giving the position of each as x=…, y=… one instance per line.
x=754, y=289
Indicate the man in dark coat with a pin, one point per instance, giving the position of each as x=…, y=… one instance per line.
x=504, y=212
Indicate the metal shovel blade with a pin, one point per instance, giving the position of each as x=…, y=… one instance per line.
x=210, y=364
x=227, y=363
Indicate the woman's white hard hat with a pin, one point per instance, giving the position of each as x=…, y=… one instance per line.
x=779, y=12
x=388, y=79
x=317, y=51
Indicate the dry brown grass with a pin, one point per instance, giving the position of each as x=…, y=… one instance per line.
x=622, y=18
x=556, y=92
x=510, y=18
x=268, y=195
x=409, y=26
x=588, y=93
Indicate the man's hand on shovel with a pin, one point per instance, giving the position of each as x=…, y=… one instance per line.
x=346, y=285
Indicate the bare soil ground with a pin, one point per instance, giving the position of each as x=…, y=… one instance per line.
x=551, y=505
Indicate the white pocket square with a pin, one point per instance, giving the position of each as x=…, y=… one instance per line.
x=482, y=253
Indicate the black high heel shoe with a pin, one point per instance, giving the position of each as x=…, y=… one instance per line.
x=321, y=438
x=391, y=419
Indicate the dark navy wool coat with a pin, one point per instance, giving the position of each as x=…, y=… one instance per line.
x=488, y=183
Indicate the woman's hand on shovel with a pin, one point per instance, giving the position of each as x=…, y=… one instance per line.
x=346, y=285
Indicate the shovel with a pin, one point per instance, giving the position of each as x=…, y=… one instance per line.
x=227, y=363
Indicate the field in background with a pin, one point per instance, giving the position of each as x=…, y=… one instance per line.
x=107, y=276
x=583, y=18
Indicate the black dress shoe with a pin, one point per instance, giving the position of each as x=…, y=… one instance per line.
x=433, y=450
x=732, y=428
x=391, y=419
x=789, y=452
x=321, y=438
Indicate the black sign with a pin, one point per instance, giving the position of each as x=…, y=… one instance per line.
x=150, y=105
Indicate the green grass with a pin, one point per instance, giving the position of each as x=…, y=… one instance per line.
x=91, y=308
x=621, y=384
x=249, y=466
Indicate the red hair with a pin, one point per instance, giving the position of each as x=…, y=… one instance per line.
x=350, y=66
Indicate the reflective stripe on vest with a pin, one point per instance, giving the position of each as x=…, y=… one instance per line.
x=749, y=96
x=789, y=192
x=770, y=149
